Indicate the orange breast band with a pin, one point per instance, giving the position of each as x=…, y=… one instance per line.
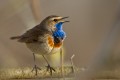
x=58, y=45
x=52, y=44
x=50, y=41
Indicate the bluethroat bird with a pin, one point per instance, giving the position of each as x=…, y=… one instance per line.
x=42, y=40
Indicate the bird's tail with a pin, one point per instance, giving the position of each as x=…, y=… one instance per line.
x=15, y=37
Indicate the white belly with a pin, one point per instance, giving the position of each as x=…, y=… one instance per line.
x=39, y=48
x=54, y=50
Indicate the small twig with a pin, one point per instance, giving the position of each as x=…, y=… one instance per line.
x=62, y=68
x=73, y=69
x=61, y=61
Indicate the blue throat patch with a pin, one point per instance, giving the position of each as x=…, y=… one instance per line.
x=59, y=33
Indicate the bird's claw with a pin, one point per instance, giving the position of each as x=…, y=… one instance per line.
x=36, y=68
x=49, y=68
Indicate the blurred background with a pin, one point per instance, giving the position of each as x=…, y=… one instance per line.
x=92, y=34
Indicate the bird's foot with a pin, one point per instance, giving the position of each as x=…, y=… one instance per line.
x=35, y=68
x=51, y=69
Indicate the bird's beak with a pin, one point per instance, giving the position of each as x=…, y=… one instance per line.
x=64, y=17
x=65, y=21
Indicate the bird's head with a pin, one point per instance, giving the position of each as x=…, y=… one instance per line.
x=52, y=20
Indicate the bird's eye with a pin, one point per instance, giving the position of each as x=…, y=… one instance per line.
x=55, y=20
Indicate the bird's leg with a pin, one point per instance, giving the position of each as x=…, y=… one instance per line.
x=49, y=68
x=35, y=66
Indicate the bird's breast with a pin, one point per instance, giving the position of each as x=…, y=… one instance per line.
x=47, y=46
x=51, y=43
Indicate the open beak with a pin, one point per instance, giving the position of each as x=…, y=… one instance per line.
x=65, y=17
x=65, y=21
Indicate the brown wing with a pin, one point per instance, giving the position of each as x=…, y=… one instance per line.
x=32, y=35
